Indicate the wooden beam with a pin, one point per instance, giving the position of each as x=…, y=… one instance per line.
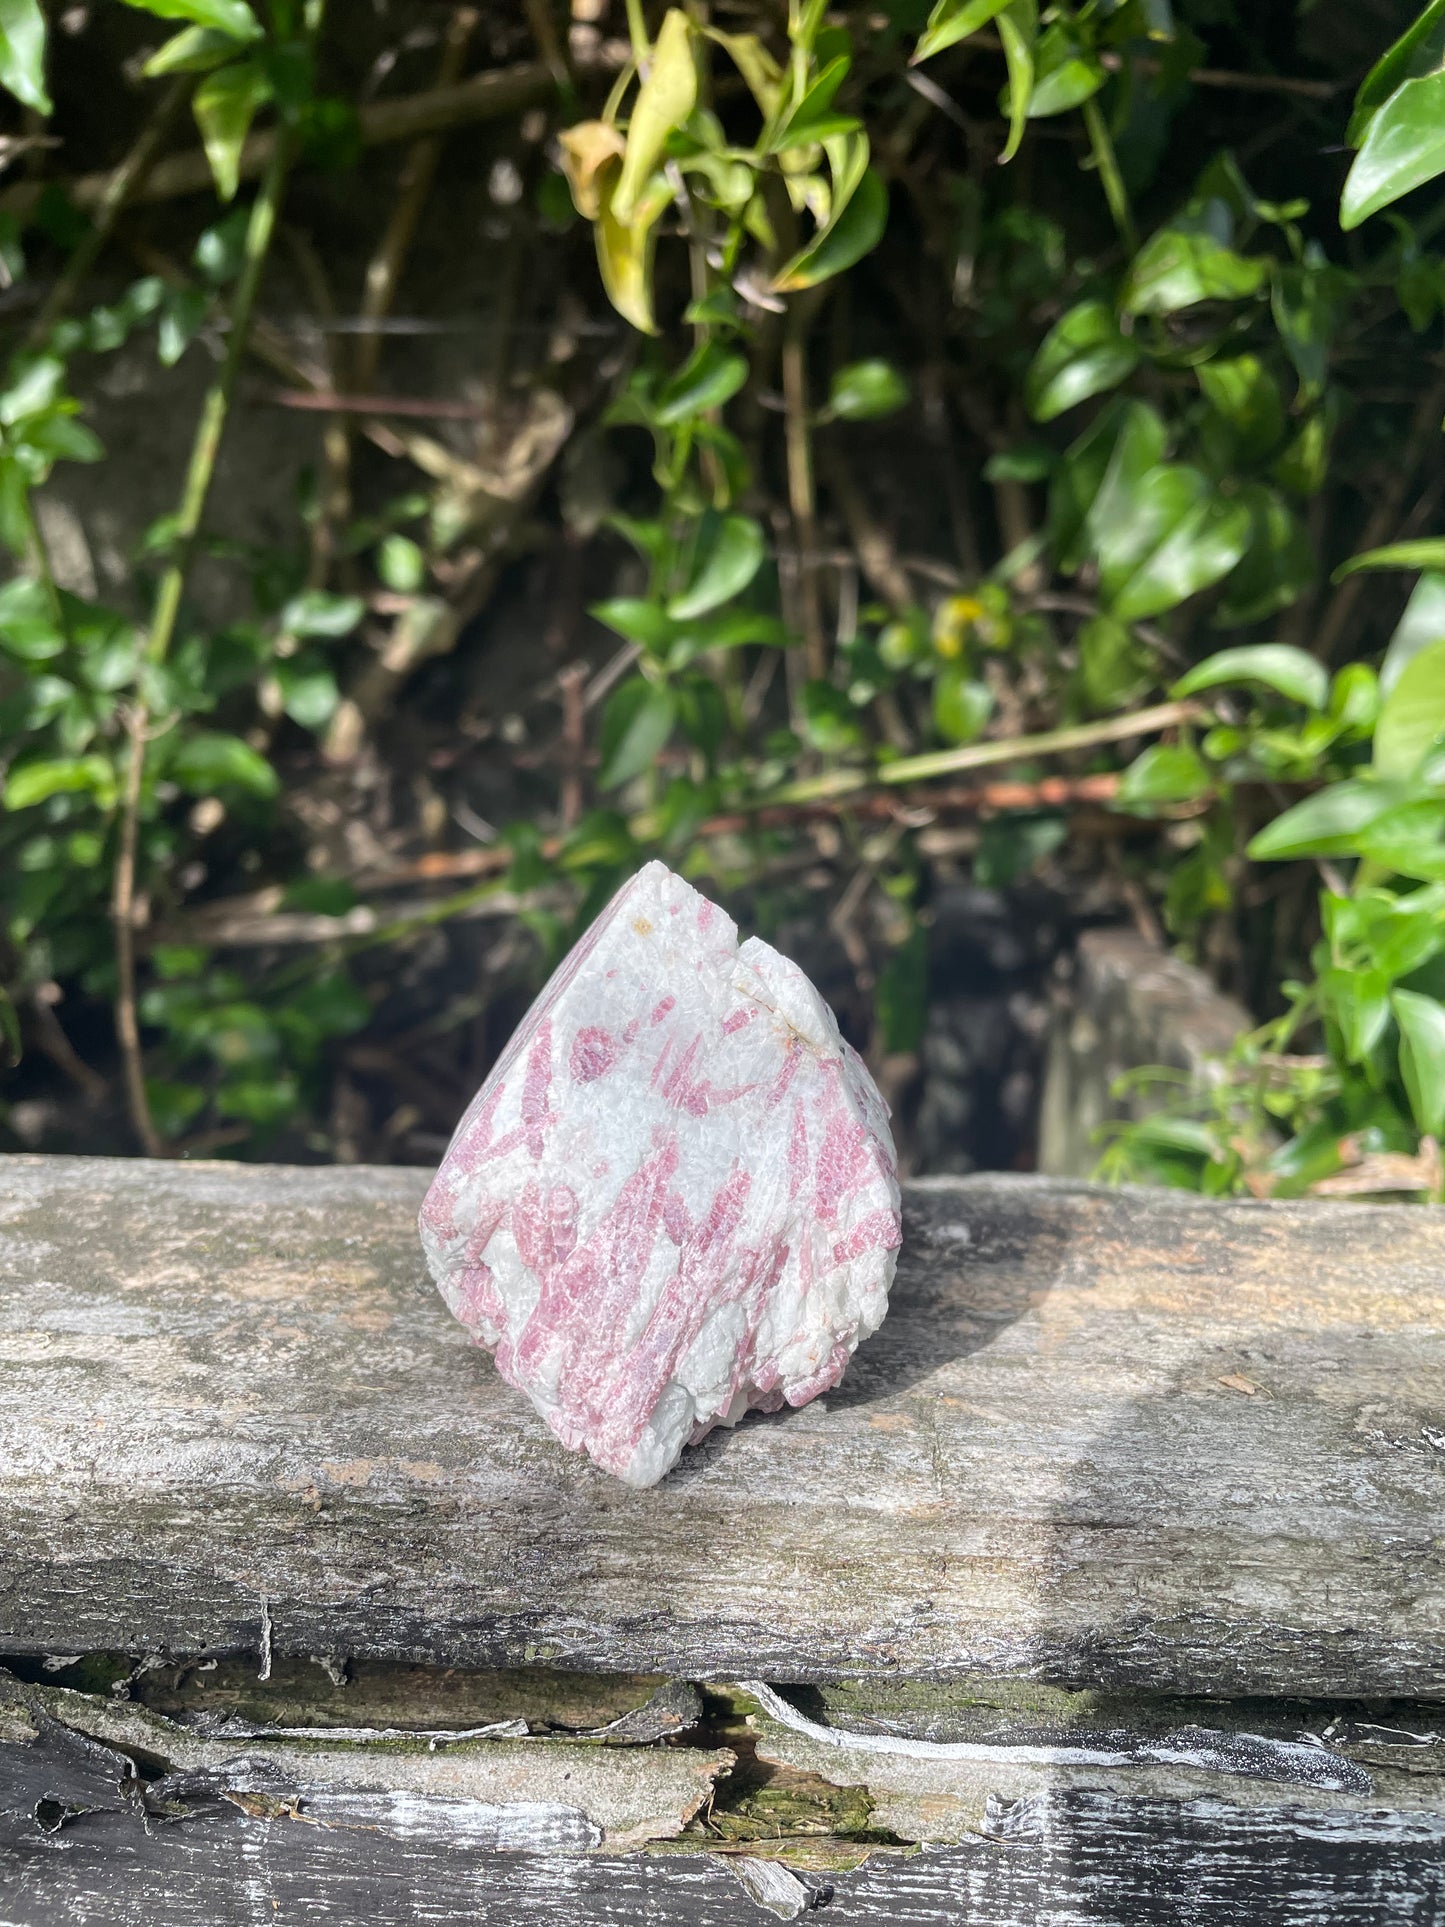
x=1117, y=1438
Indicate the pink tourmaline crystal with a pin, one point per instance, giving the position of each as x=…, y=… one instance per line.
x=675, y=1198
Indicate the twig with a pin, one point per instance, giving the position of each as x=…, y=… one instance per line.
x=950, y=762
x=489, y=96
x=120, y=187
x=333, y=507
x=204, y=451
x=417, y=174
x=256, y=920
x=571, y=683
x=53, y=1041
x=1107, y=164
x=1221, y=77
x=877, y=555
x=320, y=401
x=1424, y=429
x=800, y=489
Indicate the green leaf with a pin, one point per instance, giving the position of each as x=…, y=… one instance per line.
x=1277, y=566
x=401, y=564
x=1246, y=394
x=194, y=50
x=37, y=386
x=845, y=238
x=602, y=837
x=1183, y=265
x=32, y=783
x=1412, y=720
x=1094, y=484
x=308, y=690
x=1355, y=698
x=636, y=620
x=829, y=721
x=27, y=621
x=315, y=613
x=954, y=20
x=812, y=116
x=22, y=53
x=1422, y=1057
x=731, y=555
x=759, y=70
x=220, y=252
x=1083, y=354
x=1179, y=539
x=1166, y=774
x=710, y=376
x=1422, y=623
x=182, y=312
x=330, y=1006
x=1407, y=840
x=1018, y=25
x=1113, y=666
x=1325, y=824
x=232, y=17
x=1308, y=299
x=1065, y=73
x=636, y=723
x=664, y=101
x=225, y=104
x=211, y=761
x=1403, y=148
x=1419, y=50
x=864, y=391
x=1288, y=671
x=1361, y=1000
x=625, y=249
x=1427, y=553
x=961, y=705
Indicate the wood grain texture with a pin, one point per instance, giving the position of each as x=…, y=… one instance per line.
x=1078, y=1860
x=1125, y=1439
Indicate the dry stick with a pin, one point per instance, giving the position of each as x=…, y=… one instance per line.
x=204, y=451
x=333, y=506
x=800, y=490
x=418, y=170
x=863, y=791
x=120, y=188
x=256, y=920
x=949, y=762
x=571, y=685
x=489, y=96
x=327, y=402
x=1424, y=428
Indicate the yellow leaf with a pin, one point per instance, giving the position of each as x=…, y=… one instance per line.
x=664, y=101
x=625, y=248
x=586, y=148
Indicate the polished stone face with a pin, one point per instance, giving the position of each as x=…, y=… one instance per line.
x=675, y=1198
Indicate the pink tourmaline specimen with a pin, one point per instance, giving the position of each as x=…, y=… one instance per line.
x=675, y=1198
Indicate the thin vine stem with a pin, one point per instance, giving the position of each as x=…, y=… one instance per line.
x=1106, y=161
x=199, y=476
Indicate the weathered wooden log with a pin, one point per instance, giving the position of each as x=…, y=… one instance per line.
x=1093, y=1564
x=1107, y=1438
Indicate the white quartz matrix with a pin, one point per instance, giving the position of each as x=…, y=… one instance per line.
x=676, y=1196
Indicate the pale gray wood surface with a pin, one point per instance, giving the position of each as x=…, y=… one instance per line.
x=1122, y=1438
x=1072, y=1861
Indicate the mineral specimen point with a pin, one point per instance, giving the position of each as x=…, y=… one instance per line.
x=675, y=1198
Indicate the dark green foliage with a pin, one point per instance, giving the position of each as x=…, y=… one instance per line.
x=1170, y=361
